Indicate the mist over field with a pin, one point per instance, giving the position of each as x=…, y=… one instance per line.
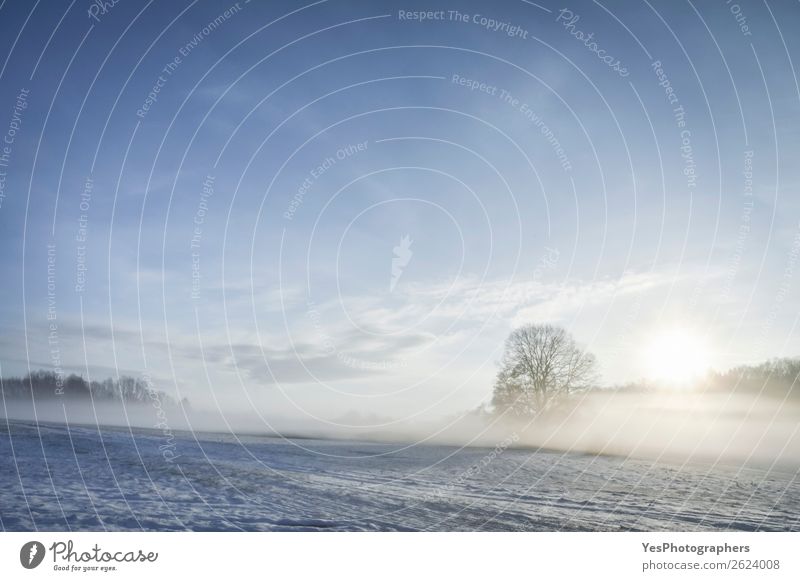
x=674, y=426
x=604, y=478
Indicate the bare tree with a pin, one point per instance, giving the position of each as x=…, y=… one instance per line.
x=541, y=364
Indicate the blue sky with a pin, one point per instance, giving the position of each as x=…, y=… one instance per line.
x=552, y=189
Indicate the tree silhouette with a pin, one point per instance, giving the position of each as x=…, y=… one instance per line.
x=540, y=365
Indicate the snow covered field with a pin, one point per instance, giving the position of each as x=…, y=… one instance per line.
x=52, y=478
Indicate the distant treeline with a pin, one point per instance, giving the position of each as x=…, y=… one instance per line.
x=774, y=378
x=44, y=385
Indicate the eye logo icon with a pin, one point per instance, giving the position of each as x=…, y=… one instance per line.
x=31, y=554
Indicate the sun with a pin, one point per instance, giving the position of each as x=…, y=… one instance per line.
x=677, y=357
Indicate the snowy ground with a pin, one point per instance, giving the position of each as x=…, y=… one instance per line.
x=52, y=478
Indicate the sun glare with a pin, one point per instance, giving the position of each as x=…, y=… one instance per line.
x=677, y=357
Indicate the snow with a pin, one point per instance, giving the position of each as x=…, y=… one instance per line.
x=88, y=478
